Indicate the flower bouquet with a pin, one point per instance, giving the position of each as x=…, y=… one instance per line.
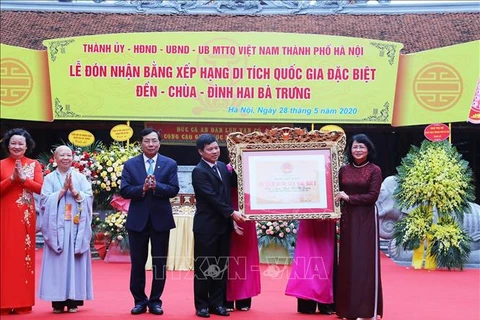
x=281, y=232
x=108, y=168
x=412, y=231
x=114, y=229
x=434, y=179
x=450, y=244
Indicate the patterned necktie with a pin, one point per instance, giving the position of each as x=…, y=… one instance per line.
x=215, y=168
x=150, y=166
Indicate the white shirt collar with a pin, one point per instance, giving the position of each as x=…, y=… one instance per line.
x=145, y=158
x=210, y=164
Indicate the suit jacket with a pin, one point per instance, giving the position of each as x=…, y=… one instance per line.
x=153, y=204
x=212, y=196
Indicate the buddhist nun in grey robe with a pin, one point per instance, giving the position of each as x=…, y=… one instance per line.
x=66, y=274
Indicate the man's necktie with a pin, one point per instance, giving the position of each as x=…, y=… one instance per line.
x=215, y=168
x=150, y=166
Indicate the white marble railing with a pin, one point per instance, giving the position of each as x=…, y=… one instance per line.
x=245, y=7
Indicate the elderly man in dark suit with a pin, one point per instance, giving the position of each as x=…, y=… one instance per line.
x=149, y=180
x=212, y=226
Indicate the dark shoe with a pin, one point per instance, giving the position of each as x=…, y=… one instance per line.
x=219, y=311
x=58, y=310
x=139, y=309
x=203, y=313
x=325, y=309
x=307, y=312
x=156, y=309
x=72, y=309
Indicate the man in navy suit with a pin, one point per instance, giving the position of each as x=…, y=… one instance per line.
x=212, y=226
x=149, y=180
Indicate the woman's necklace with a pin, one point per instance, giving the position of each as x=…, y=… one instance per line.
x=360, y=166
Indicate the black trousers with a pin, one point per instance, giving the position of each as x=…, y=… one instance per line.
x=310, y=306
x=67, y=303
x=139, y=254
x=211, y=253
x=239, y=304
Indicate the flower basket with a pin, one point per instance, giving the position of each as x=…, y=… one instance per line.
x=101, y=250
x=437, y=183
x=100, y=244
x=108, y=168
x=276, y=239
x=115, y=238
x=115, y=254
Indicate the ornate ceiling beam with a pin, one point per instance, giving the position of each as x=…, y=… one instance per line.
x=245, y=7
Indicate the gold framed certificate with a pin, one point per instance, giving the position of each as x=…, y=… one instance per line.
x=287, y=173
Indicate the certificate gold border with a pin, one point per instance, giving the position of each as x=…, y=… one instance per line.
x=286, y=139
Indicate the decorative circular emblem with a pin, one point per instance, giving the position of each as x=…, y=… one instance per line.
x=17, y=82
x=437, y=86
x=437, y=132
x=287, y=167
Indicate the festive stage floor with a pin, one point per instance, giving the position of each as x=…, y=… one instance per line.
x=408, y=294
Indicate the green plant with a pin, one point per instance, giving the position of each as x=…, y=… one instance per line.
x=450, y=244
x=435, y=177
x=412, y=231
x=114, y=228
x=435, y=174
x=109, y=166
x=281, y=232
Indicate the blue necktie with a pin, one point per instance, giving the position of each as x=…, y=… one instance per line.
x=150, y=166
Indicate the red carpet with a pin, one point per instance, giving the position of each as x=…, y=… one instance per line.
x=408, y=294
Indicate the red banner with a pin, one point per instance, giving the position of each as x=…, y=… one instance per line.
x=187, y=133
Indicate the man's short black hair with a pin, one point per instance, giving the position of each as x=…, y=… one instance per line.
x=204, y=140
x=147, y=131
